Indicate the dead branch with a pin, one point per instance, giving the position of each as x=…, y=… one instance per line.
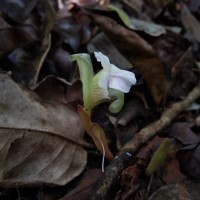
x=107, y=185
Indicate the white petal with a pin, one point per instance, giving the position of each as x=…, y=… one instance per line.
x=121, y=79
x=103, y=59
x=120, y=84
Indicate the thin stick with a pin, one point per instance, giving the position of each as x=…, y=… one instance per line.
x=107, y=185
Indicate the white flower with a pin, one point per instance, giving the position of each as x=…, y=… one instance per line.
x=114, y=77
x=108, y=84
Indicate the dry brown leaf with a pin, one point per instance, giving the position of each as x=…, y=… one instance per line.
x=40, y=140
x=188, y=189
x=85, y=186
x=137, y=51
x=190, y=23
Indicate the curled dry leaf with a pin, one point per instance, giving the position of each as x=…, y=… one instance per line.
x=40, y=140
x=96, y=133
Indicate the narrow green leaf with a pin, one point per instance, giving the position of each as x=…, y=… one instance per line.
x=158, y=158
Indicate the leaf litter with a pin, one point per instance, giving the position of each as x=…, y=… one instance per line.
x=42, y=138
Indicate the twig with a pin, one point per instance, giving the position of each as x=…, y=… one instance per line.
x=107, y=185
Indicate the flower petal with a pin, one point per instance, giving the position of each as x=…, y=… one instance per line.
x=121, y=79
x=100, y=87
x=103, y=59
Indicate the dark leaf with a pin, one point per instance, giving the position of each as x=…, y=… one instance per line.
x=73, y=30
x=64, y=65
x=51, y=88
x=27, y=62
x=172, y=172
x=189, y=159
x=186, y=190
x=85, y=186
x=18, y=10
x=190, y=23
x=15, y=37
x=41, y=140
x=48, y=18
x=183, y=133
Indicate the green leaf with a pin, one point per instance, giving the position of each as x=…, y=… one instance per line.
x=86, y=74
x=158, y=158
x=123, y=16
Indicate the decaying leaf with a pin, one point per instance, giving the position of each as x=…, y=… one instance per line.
x=96, y=133
x=18, y=10
x=13, y=37
x=27, y=72
x=182, y=132
x=190, y=23
x=188, y=189
x=172, y=173
x=189, y=159
x=40, y=139
x=85, y=186
x=148, y=27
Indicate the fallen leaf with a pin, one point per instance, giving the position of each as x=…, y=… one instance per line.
x=194, y=5
x=27, y=61
x=96, y=132
x=172, y=172
x=14, y=37
x=182, y=132
x=52, y=88
x=40, y=139
x=150, y=28
x=190, y=23
x=18, y=10
x=64, y=65
x=135, y=5
x=188, y=189
x=85, y=186
x=189, y=159
x=73, y=30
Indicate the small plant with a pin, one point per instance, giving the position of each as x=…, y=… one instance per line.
x=109, y=84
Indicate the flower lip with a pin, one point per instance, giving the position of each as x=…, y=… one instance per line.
x=118, y=79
